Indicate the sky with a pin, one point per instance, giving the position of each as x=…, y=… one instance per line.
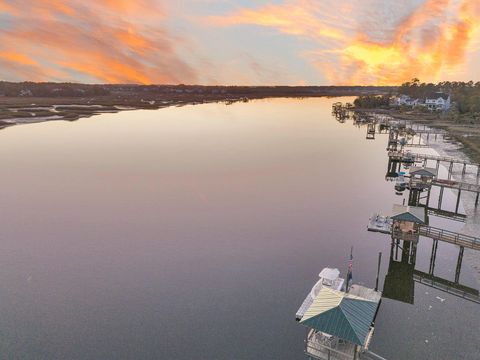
x=242, y=42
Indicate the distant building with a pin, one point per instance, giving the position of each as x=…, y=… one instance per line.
x=25, y=92
x=405, y=100
x=438, y=101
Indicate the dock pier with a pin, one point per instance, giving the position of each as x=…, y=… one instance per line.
x=409, y=158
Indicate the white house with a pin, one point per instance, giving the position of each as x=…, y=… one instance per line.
x=438, y=101
x=406, y=100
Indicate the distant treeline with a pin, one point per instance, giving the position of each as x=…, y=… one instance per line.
x=466, y=95
x=51, y=89
x=372, y=101
x=32, y=89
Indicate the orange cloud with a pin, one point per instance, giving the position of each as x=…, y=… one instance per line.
x=17, y=58
x=444, y=46
x=106, y=41
x=433, y=38
x=291, y=18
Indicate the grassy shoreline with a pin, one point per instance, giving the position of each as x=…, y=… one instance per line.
x=465, y=130
x=30, y=109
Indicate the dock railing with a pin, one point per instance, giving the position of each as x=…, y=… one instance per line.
x=450, y=237
x=319, y=346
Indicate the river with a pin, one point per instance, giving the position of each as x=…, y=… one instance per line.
x=197, y=231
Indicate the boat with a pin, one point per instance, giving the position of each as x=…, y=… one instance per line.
x=381, y=224
x=339, y=323
x=400, y=183
x=328, y=278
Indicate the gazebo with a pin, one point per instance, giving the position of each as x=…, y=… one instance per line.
x=340, y=324
x=407, y=221
x=421, y=178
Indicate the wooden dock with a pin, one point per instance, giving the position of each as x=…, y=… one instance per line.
x=451, y=237
x=409, y=157
x=434, y=233
x=457, y=185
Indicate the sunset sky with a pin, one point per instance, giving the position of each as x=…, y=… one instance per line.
x=245, y=42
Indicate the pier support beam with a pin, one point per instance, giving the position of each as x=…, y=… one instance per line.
x=464, y=169
x=414, y=197
x=450, y=170
x=476, y=200
x=459, y=265
x=458, y=200
x=440, y=198
x=433, y=257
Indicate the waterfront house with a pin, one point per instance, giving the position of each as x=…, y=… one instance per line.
x=438, y=101
x=406, y=100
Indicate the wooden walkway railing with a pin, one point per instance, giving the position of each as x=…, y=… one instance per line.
x=399, y=155
x=457, y=185
x=466, y=241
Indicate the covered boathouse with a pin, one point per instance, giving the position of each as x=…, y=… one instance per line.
x=339, y=324
x=407, y=221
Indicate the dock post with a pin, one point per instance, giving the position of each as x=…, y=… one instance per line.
x=476, y=200
x=440, y=197
x=378, y=269
x=425, y=162
x=459, y=265
x=478, y=172
x=464, y=169
x=438, y=165
x=413, y=256
x=433, y=257
x=428, y=196
x=450, y=170
x=458, y=200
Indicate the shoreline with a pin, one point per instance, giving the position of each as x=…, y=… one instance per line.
x=458, y=147
x=31, y=109
x=468, y=134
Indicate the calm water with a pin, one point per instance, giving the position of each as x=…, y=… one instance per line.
x=196, y=232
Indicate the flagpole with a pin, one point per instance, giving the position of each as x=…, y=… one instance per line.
x=349, y=272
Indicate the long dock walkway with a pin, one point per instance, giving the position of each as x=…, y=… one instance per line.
x=456, y=185
x=451, y=237
x=383, y=225
x=408, y=157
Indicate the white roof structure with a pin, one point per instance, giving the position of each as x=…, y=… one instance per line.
x=329, y=274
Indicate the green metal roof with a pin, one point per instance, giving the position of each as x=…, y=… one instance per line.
x=413, y=214
x=423, y=171
x=343, y=315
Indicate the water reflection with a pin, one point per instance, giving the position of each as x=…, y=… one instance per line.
x=401, y=275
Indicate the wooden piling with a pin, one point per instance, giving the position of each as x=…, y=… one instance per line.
x=440, y=198
x=458, y=200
